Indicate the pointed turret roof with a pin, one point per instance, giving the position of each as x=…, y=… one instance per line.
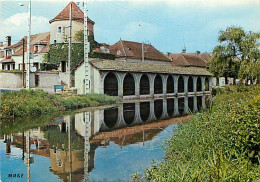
x=77, y=14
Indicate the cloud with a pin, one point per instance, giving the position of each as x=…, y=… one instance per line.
x=17, y=26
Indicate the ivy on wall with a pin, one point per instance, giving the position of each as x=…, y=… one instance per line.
x=59, y=52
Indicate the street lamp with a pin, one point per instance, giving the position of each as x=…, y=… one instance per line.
x=28, y=46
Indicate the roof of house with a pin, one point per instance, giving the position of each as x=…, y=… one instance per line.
x=205, y=56
x=129, y=49
x=114, y=65
x=2, y=54
x=77, y=14
x=7, y=61
x=41, y=39
x=186, y=59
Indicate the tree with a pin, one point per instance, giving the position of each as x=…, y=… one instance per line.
x=237, y=55
x=59, y=52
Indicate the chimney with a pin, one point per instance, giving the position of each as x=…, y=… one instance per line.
x=8, y=40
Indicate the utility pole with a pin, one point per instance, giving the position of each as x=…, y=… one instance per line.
x=142, y=51
x=87, y=145
x=69, y=54
x=23, y=64
x=28, y=156
x=69, y=146
x=86, y=49
x=28, y=47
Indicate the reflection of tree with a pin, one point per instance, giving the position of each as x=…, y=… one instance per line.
x=20, y=124
x=60, y=140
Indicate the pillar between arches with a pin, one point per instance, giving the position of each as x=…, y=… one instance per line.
x=102, y=79
x=152, y=115
x=203, y=102
x=210, y=84
x=203, y=83
x=175, y=79
x=164, y=113
x=186, y=106
x=185, y=83
x=151, y=80
x=164, y=83
x=137, y=77
x=120, y=77
x=194, y=78
x=137, y=113
x=176, y=107
x=195, y=105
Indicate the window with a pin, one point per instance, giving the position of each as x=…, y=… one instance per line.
x=55, y=41
x=36, y=48
x=59, y=29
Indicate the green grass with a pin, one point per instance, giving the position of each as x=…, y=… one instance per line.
x=222, y=144
x=36, y=102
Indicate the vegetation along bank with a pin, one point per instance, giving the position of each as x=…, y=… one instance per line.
x=36, y=102
x=220, y=144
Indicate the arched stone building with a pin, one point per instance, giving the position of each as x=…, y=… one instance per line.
x=141, y=80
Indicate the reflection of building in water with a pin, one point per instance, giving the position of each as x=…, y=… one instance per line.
x=64, y=140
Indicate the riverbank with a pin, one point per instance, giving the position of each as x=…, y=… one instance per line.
x=222, y=143
x=36, y=102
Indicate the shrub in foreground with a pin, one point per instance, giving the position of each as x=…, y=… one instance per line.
x=217, y=145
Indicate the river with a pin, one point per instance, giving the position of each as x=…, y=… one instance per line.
x=101, y=144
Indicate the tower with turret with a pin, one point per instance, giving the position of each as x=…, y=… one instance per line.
x=59, y=31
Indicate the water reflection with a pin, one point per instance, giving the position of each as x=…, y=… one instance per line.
x=74, y=144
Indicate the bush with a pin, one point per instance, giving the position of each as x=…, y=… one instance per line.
x=36, y=102
x=217, y=90
x=221, y=144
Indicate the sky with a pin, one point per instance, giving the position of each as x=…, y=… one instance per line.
x=167, y=25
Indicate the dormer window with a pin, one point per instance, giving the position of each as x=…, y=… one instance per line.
x=118, y=52
x=8, y=53
x=59, y=29
x=36, y=48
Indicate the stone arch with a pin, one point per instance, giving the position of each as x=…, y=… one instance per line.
x=129, y=112
x=206, y=84
x=191, y=104
x=170, y=84
x=170, y=107
x=199, y=86
x=180, y=84
x=128, y=85
x=158, y=108
x=190, y=84
x=144, y=85
x=199, y=102
x=158, y=85
x=111, y=84
x=111, y=117
x=181, y=105
x=144, y=111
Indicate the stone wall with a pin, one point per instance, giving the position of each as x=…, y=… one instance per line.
x=10, y=79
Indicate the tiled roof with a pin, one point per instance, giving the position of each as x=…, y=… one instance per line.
x=186, y=59
x=205, y=56
x=133, y=50
x=15, y=45
x=77, y=14
x=7, y=61
x=35, y=39
x=2, y=54
x=115, y=65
